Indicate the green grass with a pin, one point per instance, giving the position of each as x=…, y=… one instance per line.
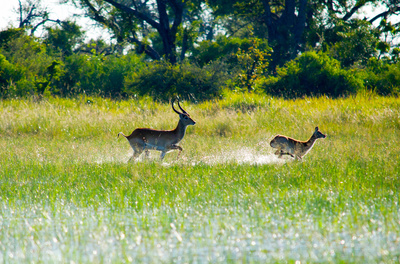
x=67, y=194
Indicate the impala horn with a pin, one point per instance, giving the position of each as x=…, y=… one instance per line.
x=183, y=111
x=174, y=108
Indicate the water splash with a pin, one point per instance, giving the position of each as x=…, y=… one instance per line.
x=256, y=155
x=242, y=156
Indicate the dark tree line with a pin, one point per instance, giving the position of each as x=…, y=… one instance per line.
x=164, y=28
x=289, y=26
x=211, y=45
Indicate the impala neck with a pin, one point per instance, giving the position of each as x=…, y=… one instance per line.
x=309, y=143
x=180, y=129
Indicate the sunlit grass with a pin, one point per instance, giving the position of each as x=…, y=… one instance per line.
x=68, y=195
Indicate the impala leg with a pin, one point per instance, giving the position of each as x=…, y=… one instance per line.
x=289, y=154
x=135, y=155
x=172, y=147
x=137, y=150
x=180, y=150
x=162, y=155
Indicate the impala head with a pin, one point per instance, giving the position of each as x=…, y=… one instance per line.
x=318, y=133
x=183, y=116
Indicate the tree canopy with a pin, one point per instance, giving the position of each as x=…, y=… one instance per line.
x=241, y=45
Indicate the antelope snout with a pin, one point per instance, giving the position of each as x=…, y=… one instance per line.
x=191, y=122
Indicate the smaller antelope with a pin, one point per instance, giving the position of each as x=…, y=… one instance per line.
x=145, y=139
x=295, y=148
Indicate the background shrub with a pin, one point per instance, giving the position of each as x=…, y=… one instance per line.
x=222, y=48
x=9, y=76
x=313, y=74
x=383, y=78
x=31, y=66
x=97, y=74
x=31, y=63
x=352, y=42
x=163, y=81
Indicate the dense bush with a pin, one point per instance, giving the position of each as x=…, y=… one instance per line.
x=9, y=76
x=224, y=48
x=6, y=36
x=163, y=81
x=30, y=67
x=313, y=74
x=97, y=74
x=353, y=42
x=383, y=78
x=31, y=61
x=64, y=38
x=29, y=54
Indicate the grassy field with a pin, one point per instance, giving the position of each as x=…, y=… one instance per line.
x=68, y=195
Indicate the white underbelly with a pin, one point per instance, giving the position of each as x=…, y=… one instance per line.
x=154, y=147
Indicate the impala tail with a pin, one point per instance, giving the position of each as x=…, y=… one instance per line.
x=121, y=134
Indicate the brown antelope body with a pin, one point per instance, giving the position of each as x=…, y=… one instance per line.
x=145, y=139
x=295, y=148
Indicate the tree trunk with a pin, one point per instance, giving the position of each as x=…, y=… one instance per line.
x=166, y=32
x=285, y=32
x=163, y=29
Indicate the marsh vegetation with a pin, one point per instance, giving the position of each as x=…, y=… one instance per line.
x=67, y=193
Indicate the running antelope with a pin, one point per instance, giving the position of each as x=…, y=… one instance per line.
x=145, y=139
x=295, y=148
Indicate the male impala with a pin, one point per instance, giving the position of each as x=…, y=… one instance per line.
x=295, y=148
x=144, y=139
